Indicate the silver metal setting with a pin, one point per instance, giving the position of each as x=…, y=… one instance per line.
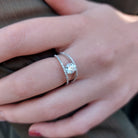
x=70, y=68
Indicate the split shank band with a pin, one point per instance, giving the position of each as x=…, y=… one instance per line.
x=70, y=68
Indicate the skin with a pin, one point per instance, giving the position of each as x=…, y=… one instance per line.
x=102, y=41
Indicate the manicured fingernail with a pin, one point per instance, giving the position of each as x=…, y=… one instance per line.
x=2, y=119
x=34, y=134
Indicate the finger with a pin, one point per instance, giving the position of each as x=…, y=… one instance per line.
x=68, y=6
x=38, y=78
x=37, y=35
x=49, y=107
x=78, y=124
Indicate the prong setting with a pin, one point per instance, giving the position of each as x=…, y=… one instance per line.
x=70, y=68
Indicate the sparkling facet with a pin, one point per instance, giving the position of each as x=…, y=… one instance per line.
x=70, y=68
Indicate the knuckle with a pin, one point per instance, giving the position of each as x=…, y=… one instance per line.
x=124, y=97
x=10, y=116
x=19, y=91
x=55, y=112
x=50, y=115
x=104, y=7
x=81, y=129
x=15, y=36
x=84, y=20
x=102, y=11
x=105, y=58
x=114, y=80
x=21, y=88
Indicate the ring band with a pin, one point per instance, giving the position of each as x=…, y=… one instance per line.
x=70, y=68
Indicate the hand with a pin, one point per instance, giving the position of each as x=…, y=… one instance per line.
x=101, y=40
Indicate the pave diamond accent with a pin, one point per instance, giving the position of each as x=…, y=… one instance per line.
x=70, y=68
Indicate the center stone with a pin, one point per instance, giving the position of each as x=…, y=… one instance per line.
x=70, y=68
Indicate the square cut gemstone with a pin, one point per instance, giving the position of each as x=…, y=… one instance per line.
x=70, y=68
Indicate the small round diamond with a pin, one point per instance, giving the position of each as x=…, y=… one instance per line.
x=70, y=68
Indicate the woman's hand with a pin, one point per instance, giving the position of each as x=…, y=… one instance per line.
x=102, y=41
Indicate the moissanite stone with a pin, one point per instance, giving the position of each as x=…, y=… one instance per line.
x=70, y=68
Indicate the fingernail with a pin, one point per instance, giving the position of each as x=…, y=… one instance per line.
x=2, y=119
x=34, y=134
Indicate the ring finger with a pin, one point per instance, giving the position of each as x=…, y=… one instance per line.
x=35, y=79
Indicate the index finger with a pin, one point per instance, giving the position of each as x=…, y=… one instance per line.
x=37, y=35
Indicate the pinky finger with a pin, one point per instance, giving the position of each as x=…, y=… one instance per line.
x=78, y=124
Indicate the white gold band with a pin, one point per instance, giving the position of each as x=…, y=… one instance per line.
x=70, y=68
